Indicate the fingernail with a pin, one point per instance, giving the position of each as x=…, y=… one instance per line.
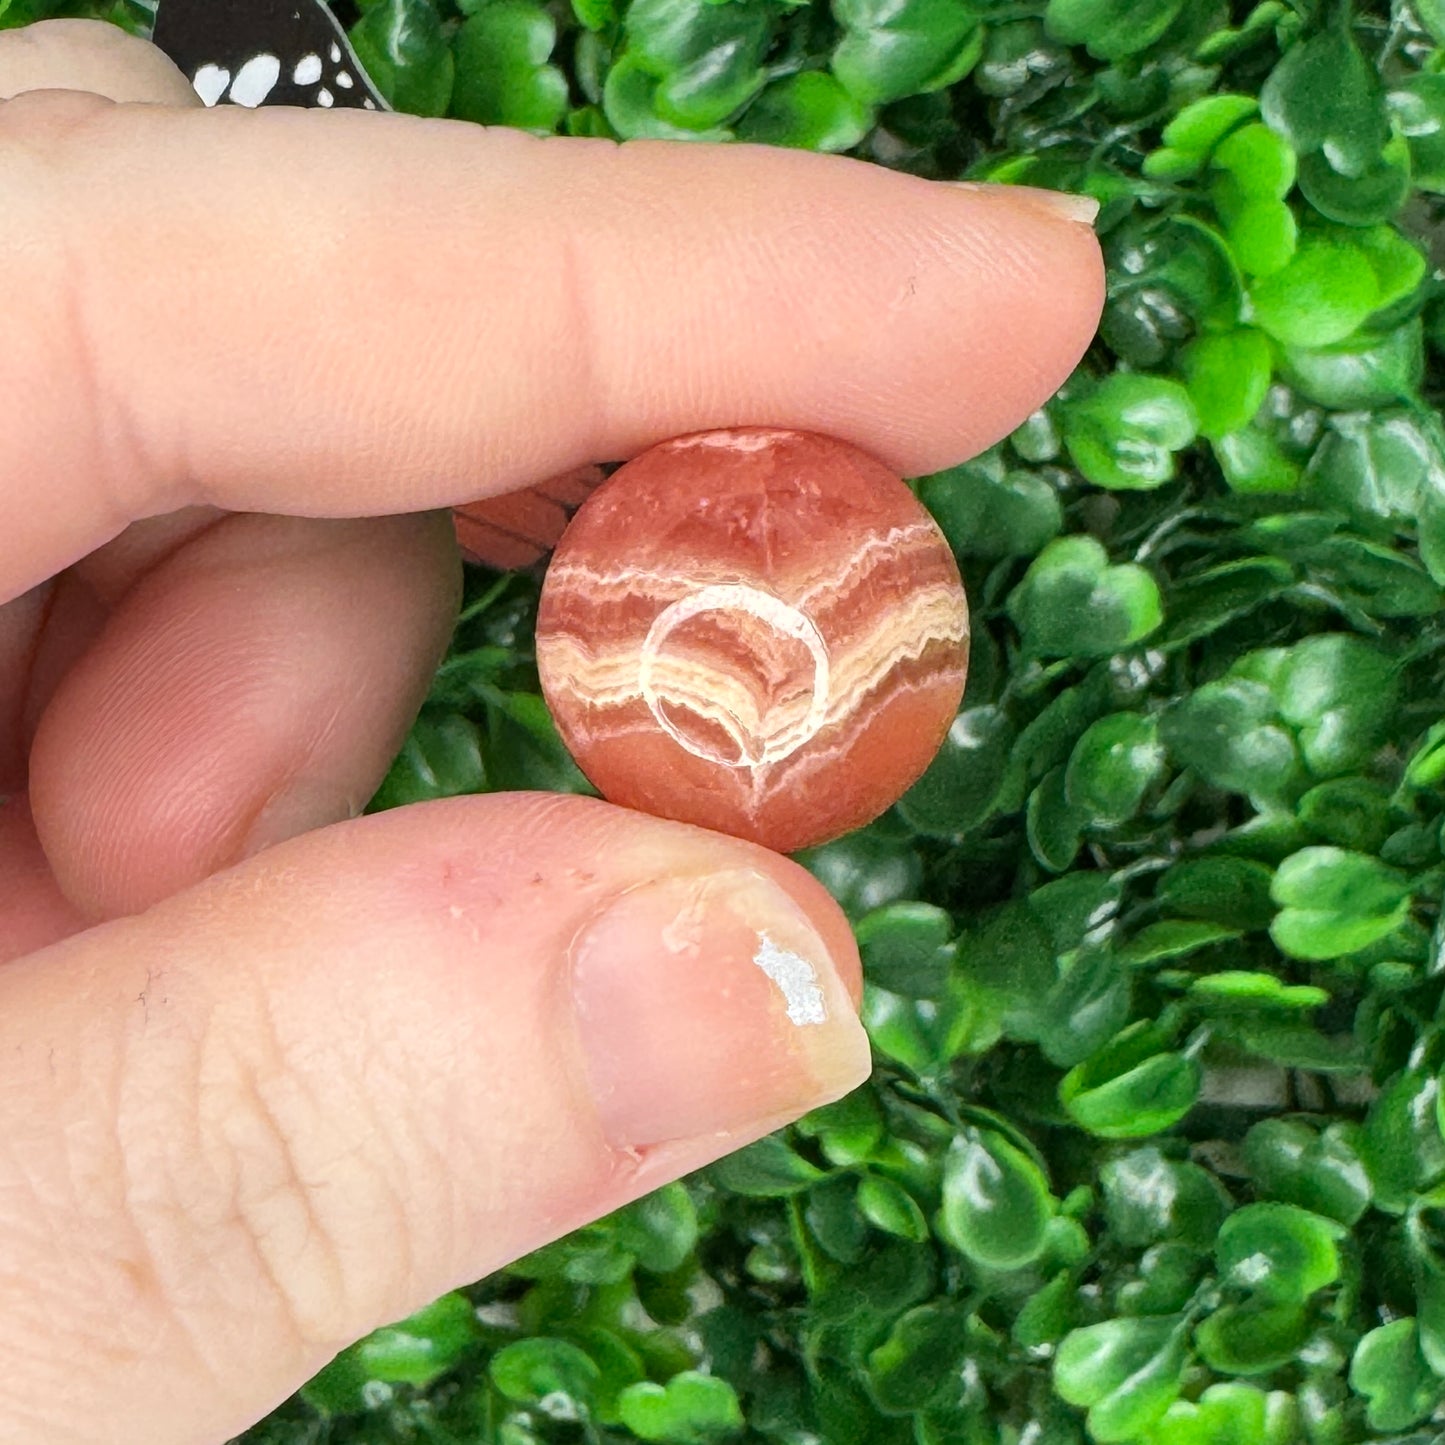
x=1065, y=205
x=708, y=1005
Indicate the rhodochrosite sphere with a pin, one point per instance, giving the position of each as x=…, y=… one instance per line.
x=755, y=630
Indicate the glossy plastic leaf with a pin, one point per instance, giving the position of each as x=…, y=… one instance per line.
x=1125, y=432
x=690, y=1409
x=1073, y=603
x=1111, y=29
x=1150, y=1198
x=811, y=111
x=1129, y=1091
x=1334, y=902
x=1323, y=1172
x=1321, y=296
x=1125, y=1372
x=1278, y=1252
x=896, y=48
x=503, y=76
x=1113, y=766
x=531, y=1370
x=1228, y=375
x=765, y=1169
x=1390, y=1372
x=996, y=1201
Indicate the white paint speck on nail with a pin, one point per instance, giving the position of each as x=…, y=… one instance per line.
x=796, y=977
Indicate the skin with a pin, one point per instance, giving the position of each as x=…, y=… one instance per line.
x=274, y=1075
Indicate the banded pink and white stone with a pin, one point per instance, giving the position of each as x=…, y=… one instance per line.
x=758, y=631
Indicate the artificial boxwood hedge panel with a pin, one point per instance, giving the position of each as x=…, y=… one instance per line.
x=1156, y=972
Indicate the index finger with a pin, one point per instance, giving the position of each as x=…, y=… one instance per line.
x=340, y=313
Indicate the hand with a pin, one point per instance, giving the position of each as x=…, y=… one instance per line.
x=266, y=1084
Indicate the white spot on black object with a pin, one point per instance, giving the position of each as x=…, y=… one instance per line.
x=324, y=97
x=210, y=83
x=255, y=80
x=227, y=49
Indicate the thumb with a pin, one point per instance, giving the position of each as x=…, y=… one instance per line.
x=308, y=1095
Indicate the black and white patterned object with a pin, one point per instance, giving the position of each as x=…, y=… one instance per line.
x=264, y=52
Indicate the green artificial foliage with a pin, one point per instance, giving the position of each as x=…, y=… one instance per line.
x=1154, y=953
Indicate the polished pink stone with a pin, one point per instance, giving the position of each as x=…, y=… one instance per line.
x=758, y=631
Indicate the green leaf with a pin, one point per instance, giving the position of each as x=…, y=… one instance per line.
x=1253, y=461
x=503, y=77
x=960, y=788
x=996, y=1202
x=707, y=59
x=1333, y=902
x=1113, y=766
x=1340, y=694
x=921, y=1356
x=1235, y=991
x=1173, y=938
x=1125, y=1372
x=1072, y=603
x=1128, y=1091
x=1150, y=1198
x=1085, y=1008
x=1253, y=1338
x=1364, y=372
x=1230, y=891
x=987, y=514
x=402, y=48
x=1054, y=826
x=1278, y=1252
x=896, y=48
x=810, y=110
x=528, y=1371
x=1350, y=812
x=1124, y=433
x=865, y=869
x=660, y=1229
x=415, y=1351
x=1290, y=1161
x=632, y=105
x=1193, y=134
x=1321, y=296
x=1111, y=29
x=441, y=758
x=690, y=1409
x=1362, y=198
x=1257, y=164
x=1385, y=466
x=1263, y=235
x=1225, y=1414
x=1227, y=375
x=1048, y=1314
x=1228, y=733
x=1417, y=108
x=1323, y=95
x=891, y=1208
x=1390, y=1372
x=766, y=1169
x=906, y=948
x=1398, y=263
x=1401, y=1145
